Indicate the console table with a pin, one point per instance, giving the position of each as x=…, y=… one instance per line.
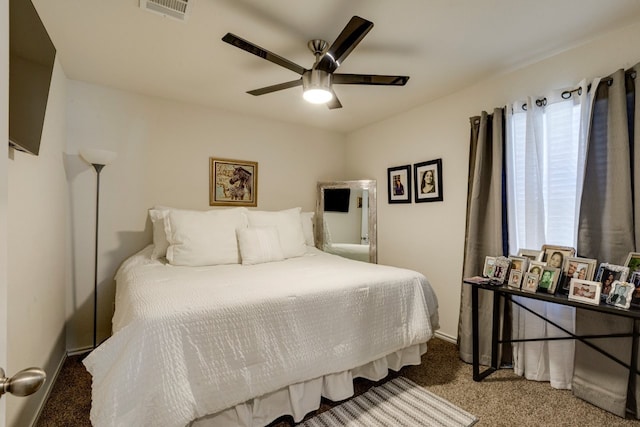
x=503, y=291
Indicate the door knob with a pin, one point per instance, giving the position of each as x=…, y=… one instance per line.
x=24, y=383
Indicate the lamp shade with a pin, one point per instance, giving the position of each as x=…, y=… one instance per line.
x=316, y=86
x=97, y=157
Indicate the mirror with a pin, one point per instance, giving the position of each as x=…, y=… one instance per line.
x=346, y=219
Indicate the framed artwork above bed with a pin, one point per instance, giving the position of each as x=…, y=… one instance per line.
x=427, y=177
x=399, y=184
x=233, y=182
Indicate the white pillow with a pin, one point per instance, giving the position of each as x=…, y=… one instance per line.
x=160, y=242
x=307, y=228
x=198, y=238
x=289, y=226
x=259, y=244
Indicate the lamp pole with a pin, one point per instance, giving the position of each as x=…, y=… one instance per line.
x=98, y=168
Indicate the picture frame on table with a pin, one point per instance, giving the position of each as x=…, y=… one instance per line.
x=554, y=256
x=530, y=282
x=621, y=294
x=633, y=262
x=233, y=182
x=609, y=273
x=489, y=263
x=635, y=281
x=576, y=268
x=587, y=291
x=399, y=184
x=500, y=269
x=536, y=268
x=515, y=279
x=519, y=262
x=427, y=177
x=530, y=254
x=549, y=279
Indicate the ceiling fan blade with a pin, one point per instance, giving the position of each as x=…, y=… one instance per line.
x=274, y=88
x=335, y=102
x=243, y=44
x=348, y=39
x=369, y=79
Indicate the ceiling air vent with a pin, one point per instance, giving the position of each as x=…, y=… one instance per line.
x=178, y=9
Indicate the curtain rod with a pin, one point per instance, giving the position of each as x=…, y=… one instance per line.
x=608, y=80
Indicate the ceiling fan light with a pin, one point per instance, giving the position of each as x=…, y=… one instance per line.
x=317, y=96
x=316, y=85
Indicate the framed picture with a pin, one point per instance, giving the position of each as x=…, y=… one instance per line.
x=549, y=279
x=621, y=294
x=536, y=267
x=635, y=281
x=585, y=291
x=500, y=269
x=233, y=182
x=399, y=184
x=515, y=279
x=489, y=263
x=427, y=177
x=633, y=262
x=609, y=273
x=576, y=268
x=554, y=256
x=530, y=282
x=530, y=254
x=519, y=262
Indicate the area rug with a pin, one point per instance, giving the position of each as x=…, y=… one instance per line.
x=399, y=402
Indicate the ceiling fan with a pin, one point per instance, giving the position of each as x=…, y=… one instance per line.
x=317, y=82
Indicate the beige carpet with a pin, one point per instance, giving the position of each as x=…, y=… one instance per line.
x=503, y=399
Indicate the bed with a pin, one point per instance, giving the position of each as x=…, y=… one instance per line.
x=245, y=343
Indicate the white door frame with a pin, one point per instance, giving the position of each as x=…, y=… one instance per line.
x=4, y=199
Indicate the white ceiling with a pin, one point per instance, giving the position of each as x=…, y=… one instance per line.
x=443, y=45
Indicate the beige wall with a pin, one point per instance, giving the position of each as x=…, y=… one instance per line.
x=37, y=257
x=4, y=199
x=429, y=237
x=163, y=158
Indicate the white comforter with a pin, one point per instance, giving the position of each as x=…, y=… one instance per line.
x=191, y=341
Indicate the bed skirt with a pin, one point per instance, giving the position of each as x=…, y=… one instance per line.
x=299, y=399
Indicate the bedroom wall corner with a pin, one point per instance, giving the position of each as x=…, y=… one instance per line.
x=429, y=237
x=37, y=258
x=163, y=152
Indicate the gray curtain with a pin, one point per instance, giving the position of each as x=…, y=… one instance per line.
x=485, y=230
x=606, y=232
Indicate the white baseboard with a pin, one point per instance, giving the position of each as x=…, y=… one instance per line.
x=78, y=351
x=453, y=340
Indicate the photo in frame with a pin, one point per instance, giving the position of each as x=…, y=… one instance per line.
x=633, y=262
x=519, y=262
x=233, y=182
x=530, y=282
x=530, y=254
x=549, y=279
x=536, y=267
x=399, y=184
x=621, y=294
x=515, y=279
x=576, y=268
x=554, y=256
x=635, y=281
x=489, y=263
x=427, y=177
x=609, y=273
x=500, y=269
x=586, y=291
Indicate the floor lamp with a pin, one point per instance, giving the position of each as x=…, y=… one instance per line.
x=98, y=159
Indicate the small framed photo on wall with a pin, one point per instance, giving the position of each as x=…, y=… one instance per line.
x=399, y=184
x=427, y=177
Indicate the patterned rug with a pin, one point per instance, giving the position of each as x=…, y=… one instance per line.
x=399, y=402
